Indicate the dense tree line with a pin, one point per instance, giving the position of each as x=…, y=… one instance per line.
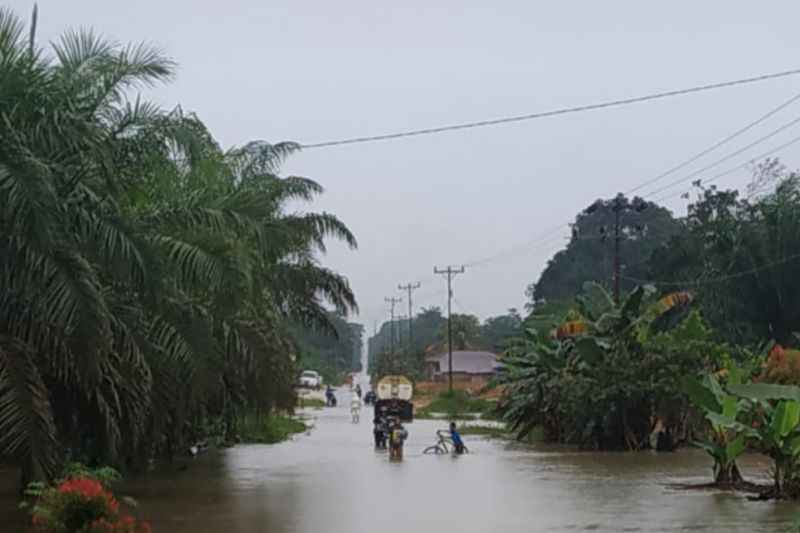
x=148, y=278
x=332, y=352
x=741, y=255
x=429, y=329
x=711, y=293
x=589, y=255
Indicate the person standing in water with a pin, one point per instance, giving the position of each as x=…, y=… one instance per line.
x=397, y=436
x=355, y=408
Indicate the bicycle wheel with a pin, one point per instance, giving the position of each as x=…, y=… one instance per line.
x=436, y=449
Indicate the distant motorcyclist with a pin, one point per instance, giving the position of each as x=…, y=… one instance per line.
x=380, y=431
x=370, y=397
x=330, y=396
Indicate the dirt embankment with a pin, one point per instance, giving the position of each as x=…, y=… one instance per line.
x=426, y=391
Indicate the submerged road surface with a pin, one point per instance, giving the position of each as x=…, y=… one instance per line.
x=332, y=481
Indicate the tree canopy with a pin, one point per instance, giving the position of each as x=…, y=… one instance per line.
x=589, y=255
x=148, y=278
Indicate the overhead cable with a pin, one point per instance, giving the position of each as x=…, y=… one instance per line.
x=550, y=113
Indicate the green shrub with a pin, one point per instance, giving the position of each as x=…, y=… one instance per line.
x=269, y=429
x=457, y=404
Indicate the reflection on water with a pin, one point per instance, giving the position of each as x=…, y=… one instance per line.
x=332, y=481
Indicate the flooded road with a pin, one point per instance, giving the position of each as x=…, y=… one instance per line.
x=331, y=481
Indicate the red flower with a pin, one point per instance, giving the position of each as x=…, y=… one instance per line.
x=84, y=486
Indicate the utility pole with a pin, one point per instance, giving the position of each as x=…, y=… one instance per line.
x=409, y=287
x=400, y=319
x=392, y=302
x=449, y=272
x=619, y=205
x=617, y=208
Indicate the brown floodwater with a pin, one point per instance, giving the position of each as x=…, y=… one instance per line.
x=330, y=480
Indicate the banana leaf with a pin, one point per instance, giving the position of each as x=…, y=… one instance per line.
x=700, y=395
x=785, y=418
x=766, y=391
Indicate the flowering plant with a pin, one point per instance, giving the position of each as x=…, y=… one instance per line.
x=81, y=505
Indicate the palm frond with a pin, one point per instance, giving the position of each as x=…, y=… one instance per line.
x=27, y=429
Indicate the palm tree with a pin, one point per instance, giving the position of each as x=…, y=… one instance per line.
x=146, y=276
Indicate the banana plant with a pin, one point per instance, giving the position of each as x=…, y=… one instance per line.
x=777, y=420
x=728, y=437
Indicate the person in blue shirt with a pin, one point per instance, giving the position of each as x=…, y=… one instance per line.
x=458, y=444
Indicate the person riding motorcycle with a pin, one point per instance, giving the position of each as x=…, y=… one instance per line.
x=330, y=396
x=370, y=397
x=380, y=431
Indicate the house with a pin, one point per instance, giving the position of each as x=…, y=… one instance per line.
x=467, y=366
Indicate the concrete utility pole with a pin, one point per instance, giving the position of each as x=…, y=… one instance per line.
x=392, y=302
x=410, y=287
x=449, y=272
x=400, y=319
x=619, y=207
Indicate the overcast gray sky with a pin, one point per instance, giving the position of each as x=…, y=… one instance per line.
x=313, y=71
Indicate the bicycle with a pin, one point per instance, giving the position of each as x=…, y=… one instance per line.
x=443, y=445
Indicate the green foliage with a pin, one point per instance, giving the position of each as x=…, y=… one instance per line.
x=767, y=415
x=269, y=429
x=333, y=352
x=589, y=254
x=148, y=278
x=498, y=331
x=743, y=254
x=727, y=438
x=457, y=404
x=311, y=403
x=603, y=388
x=426, y=327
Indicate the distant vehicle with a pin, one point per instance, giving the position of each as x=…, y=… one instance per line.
x=310, y=379
x=394, y=398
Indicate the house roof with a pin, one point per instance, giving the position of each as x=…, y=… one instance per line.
x=467, y=362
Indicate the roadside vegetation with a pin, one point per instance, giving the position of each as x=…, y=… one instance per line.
x=704, y=355
x=150, y=280
x=457, y=405
x=269, y=428
x=311, y=403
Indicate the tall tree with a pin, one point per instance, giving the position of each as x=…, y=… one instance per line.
x=740, y=256
x=589, y=255
x=147, y=277
x=497, y=331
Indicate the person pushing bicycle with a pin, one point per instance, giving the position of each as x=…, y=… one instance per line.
x=455, y=436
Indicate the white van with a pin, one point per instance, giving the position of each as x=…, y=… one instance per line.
x=310, y=379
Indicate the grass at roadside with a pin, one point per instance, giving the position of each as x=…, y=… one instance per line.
x=269, y=429
x=312, y=403
x=493, y=432
x=499, y=432
x=457, y=405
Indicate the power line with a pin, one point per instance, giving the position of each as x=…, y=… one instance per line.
x=541, y=240
x=716, y=145
x=714, y=178
x=551, y=113
x=725, y=158
x=719, y=279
